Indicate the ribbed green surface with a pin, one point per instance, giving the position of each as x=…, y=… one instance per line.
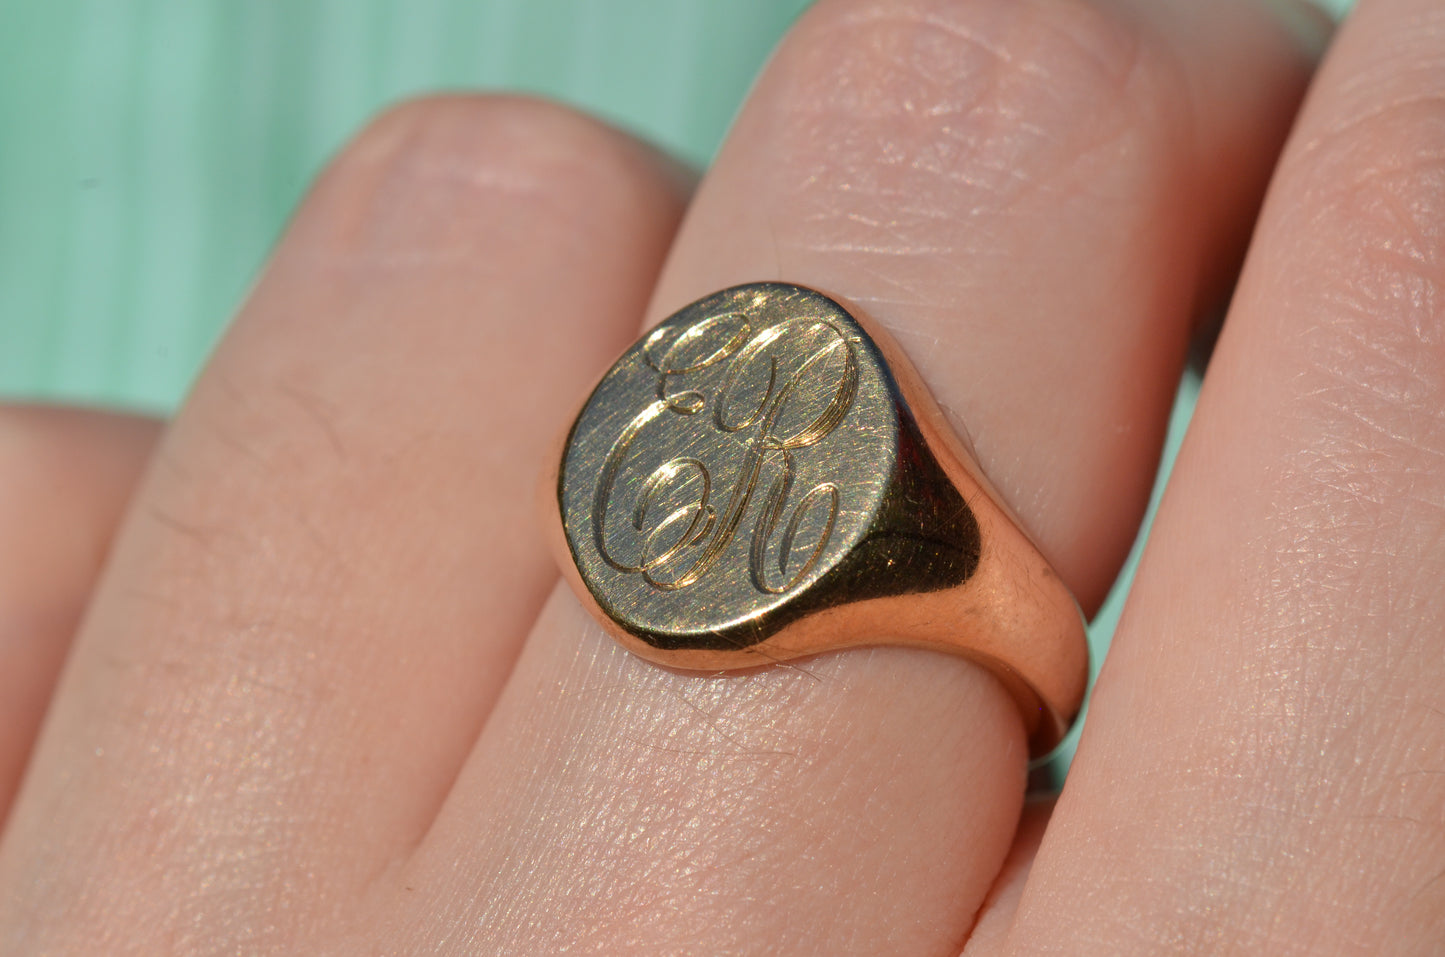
x=151, y=150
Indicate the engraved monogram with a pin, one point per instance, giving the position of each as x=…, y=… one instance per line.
x=738, y=399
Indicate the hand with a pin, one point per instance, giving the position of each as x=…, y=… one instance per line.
x=328, y=699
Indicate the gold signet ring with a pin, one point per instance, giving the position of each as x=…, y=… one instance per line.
x=764, y=476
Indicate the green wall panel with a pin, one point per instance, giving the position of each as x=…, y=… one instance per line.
x=151, y=150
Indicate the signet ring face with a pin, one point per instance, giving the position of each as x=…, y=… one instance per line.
x=762, y=477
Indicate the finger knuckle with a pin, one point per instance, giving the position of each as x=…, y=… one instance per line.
x=1373, y=207
x=991, y=96
x=441, y=165
x=1366, y=212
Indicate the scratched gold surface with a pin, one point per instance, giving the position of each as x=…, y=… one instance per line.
x=750, y=461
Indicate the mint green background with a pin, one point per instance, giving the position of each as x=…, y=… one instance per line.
x=150, y=150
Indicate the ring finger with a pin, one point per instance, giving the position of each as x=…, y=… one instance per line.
x=1034, y=198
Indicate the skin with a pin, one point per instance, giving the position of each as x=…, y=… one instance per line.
x=327, y=698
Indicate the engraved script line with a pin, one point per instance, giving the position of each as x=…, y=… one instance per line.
x=697, y=523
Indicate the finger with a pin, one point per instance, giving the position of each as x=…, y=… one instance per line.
x=1264, y=751
x=325, y=580
x=65, y=476
x=1027, y=195
x=996, y=915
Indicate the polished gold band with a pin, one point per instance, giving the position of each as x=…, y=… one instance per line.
x=764, y=476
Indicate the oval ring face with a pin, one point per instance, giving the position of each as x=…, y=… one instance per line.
x=726, y=462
